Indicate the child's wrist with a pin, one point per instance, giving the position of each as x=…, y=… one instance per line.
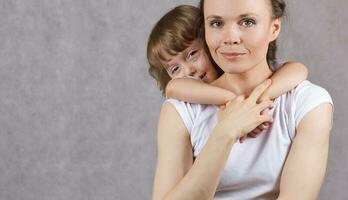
x=229, y=96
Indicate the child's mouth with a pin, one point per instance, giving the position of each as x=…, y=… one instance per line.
x=203, y=75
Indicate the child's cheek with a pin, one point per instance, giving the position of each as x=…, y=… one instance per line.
x=201, y=61
x=205, y=62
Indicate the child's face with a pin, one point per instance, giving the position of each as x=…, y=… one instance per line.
x=193, y=61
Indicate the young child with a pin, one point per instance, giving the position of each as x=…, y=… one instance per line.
x=184, y=71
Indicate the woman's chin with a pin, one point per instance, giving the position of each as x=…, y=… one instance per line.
x=234, y=69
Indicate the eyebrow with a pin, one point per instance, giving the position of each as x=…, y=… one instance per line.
x=167, y=65
x=214, y=17
x=240, y=16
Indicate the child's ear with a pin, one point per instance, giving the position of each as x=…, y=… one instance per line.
x=276, y=27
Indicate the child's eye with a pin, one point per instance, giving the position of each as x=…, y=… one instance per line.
x=192, y=54
x=247, y=23
x=215, y=23
x=174, y=70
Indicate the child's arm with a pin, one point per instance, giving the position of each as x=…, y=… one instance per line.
x=285, y=79
x=196, y=91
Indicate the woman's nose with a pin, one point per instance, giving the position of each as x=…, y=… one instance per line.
x=232, y=36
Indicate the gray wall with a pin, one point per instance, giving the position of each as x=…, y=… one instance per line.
x=78, y=110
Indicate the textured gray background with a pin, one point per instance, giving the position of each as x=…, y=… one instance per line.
x=78, y=110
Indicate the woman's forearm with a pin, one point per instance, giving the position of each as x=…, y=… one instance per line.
x=202, y=179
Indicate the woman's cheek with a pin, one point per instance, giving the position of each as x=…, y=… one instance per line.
x=257, y=43
x=212, y=39
x=212, y=46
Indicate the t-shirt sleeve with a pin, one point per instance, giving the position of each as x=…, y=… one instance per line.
x=307, y=96
x=186, y=112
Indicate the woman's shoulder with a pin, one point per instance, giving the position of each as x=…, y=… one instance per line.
x=183, y=105
x=190, y=112
x=307, y=84
x=305, y=97
x=305, y=91
x=310, y=91
x=193, y=107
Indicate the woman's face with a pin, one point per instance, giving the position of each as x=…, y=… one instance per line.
x=238, y=32
x=193, y=61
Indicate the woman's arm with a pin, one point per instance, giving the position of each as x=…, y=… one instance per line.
x=196, y=91
x=308, y=156
x=285, y=79
x=177, y=177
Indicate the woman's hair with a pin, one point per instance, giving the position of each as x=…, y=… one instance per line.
x=172, y=34
x=278, y=11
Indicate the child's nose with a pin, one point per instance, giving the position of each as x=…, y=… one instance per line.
x=190, y=71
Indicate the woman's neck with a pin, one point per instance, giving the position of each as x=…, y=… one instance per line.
x=243, y=84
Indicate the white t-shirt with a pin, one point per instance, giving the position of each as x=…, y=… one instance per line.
x=253, y=168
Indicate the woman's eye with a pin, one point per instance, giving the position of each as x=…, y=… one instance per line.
x=215, y=24
x=248, y=23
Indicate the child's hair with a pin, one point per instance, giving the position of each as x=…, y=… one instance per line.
x=172, y=34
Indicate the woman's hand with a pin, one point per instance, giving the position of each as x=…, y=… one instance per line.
x=254, y=133
x=242, y=115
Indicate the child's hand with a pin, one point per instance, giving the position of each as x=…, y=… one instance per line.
x=254, y=133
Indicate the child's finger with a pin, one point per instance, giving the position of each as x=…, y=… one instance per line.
x=222, y=106
x=264, y=126
x=257, y=130
x=252, y=134
x=241, y=139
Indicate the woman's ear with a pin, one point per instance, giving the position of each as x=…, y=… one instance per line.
x=276, y=26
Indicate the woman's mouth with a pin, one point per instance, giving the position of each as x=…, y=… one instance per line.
x=232, y=56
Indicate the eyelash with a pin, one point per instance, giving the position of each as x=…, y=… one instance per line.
x=192, y=54
x=214, y=23
x=173, y=71
x=252, y=21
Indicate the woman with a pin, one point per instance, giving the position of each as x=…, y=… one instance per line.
x=240, y=35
